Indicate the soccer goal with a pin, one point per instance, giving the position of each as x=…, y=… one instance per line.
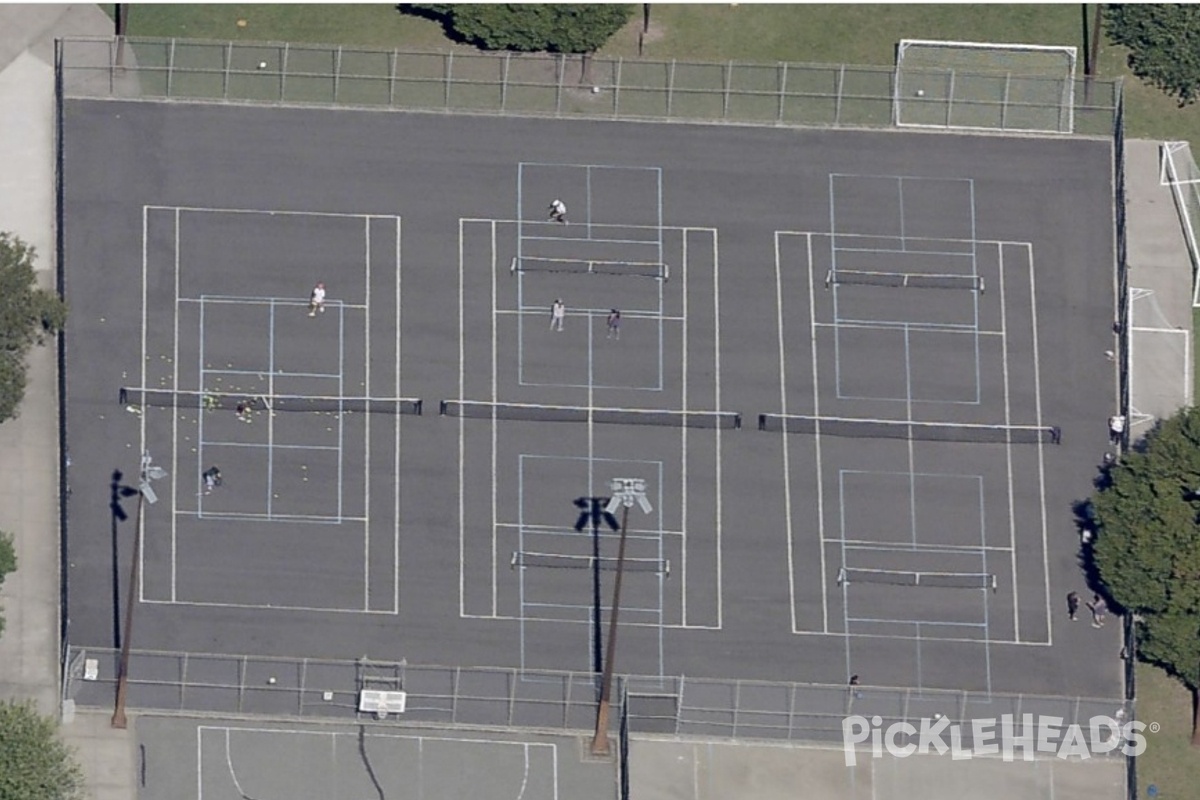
x=985, y=86
x=1178, y=170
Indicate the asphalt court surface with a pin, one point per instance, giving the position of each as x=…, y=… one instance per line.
x=756, y=273
x=230, y=760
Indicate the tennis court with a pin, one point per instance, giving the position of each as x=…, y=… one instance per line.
x=846, y=376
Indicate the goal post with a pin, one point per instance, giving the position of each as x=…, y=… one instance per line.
x=985, y=86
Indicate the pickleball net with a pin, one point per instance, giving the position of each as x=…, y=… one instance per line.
x=580, y=266
x=903, y=280
x=136, y=398
x=935, y=580
x=913, y=430
x=532, y=412
x=524, y=558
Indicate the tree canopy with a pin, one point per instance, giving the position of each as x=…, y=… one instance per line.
x=582, y=28
x=8, y=563
x=34, y=761
x=1147, y=548
x=1163, y=42
x=28, y=315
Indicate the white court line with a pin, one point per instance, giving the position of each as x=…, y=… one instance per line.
x=905, y=252
x=262, y=373
x=1008, y=454
x=295, y=302
x=683, y=433
x=839, y=235
x=923, y=622
x=526, y=749
x=812, y=315
x=137, y=525
x=591, y=239
x=904, y=547
x=1037, y=394
x=252, y=445
x=276, y=213
x=520, y=223
x=264, y=606
x=367, y=421
x=494, y=433
x=252, y=516
x=632, y=533
x=917, y=326
x=717, y=380
x=396, y=456
x=783, y=408
x=902, y=637
x=588, y=622
x=537, y=311
x=462, y=523
x=174, y=420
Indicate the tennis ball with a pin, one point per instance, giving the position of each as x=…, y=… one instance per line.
x=920, y=92
x=595, y=90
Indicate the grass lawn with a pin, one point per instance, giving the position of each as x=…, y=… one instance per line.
x=850, y=34
x=1170, y=762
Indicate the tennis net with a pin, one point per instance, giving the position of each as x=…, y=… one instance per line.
x=937, y=580
x=903, y=280
x=632, y=269
x=530, y=412
x=522, y=558
x=134, y=399
x=917, y=431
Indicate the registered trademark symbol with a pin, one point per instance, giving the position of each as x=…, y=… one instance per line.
x=1154, y=727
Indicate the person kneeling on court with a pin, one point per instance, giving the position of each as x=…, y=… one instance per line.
x=212, y=479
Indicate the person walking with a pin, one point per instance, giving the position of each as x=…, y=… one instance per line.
x=1072, y=604
x=558, y=314
x=1099, y=609
x=1116, y=428
x=614, y=324
x=558, y=211
x=316, y=301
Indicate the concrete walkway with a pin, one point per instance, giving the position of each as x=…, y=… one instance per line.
x=29, y=646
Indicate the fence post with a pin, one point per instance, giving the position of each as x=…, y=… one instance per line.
x=782, y=91
x=283, y=68
x=448, y=76
x=225, y=86
x=392, y=78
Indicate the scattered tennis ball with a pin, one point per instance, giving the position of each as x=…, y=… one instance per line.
x=271, y=680
x=262, y=65
x=920, y=92
x=595, y=90
x=241, y=23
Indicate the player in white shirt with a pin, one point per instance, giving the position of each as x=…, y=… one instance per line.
x=558, y=211
x=316, y=301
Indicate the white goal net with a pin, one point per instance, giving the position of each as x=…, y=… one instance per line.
x=984, y=86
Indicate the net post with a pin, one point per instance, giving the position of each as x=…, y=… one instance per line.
x=762, y=422
x=419, y=407
x=512, y=268
x=828, y=279
x=442, y=410
x=841, y=576
x=737, y=421
x=982, y=285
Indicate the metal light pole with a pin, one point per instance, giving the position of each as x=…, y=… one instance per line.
x=149, y=472
x=626, y=492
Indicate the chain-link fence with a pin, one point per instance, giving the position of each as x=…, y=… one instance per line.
x=542, y=699
x=530, y=84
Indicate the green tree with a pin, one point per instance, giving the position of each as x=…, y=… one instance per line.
x=8, y=563
x=581, y=29
x=34, y=761
x=28, y=315
x=1147, y=548
x=1163, y=42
